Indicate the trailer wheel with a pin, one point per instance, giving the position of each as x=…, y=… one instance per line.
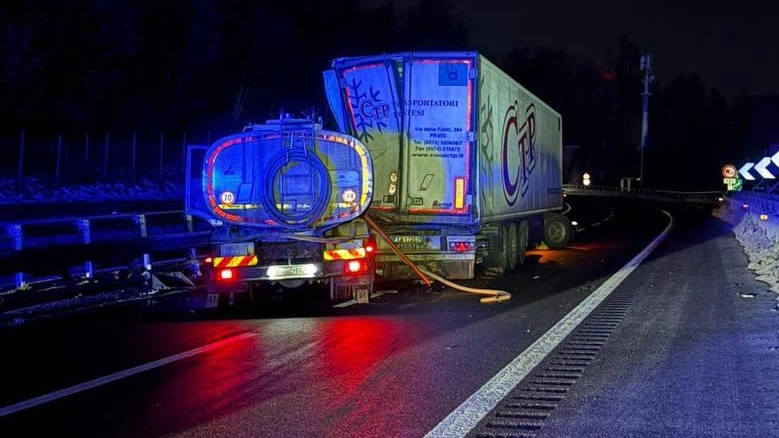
x=557, y=230
x=522, y=234
x=513, y=245
x=496, y=260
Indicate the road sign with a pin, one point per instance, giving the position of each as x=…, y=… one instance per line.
x=734, y=184
x=729, y=171
x=744, y=171
x=766, y=168
x=761, y=168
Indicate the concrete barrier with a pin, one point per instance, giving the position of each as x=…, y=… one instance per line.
x=754, y=218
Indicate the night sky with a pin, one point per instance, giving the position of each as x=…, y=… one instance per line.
x=732, y=46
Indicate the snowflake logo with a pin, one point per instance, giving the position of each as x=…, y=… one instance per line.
x=370, y=111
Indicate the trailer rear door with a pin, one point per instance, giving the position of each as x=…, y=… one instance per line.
x=369, y=95
x=414, y=112
x=438, y=134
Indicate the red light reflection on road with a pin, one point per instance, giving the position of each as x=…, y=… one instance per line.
x=356, y=346
x=341, y=367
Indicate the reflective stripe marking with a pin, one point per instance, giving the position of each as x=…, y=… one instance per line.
x=234, y=262
x=345, y=254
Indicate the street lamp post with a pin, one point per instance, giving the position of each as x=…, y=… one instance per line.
x=646, y=67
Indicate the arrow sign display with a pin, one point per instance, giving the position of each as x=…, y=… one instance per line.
x=767, y=168
x=760, y=167
x=744, y=171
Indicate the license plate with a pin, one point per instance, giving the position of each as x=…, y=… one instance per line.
x=292, y=271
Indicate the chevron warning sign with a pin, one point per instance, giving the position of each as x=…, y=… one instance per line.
x=766, y=168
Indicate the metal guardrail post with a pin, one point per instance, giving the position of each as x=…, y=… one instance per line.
x=15, y=232
x=86, y=238
x=141, y=221
x=193, y=251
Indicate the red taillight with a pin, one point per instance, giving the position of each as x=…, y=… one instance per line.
x=226, y=274
x=461, y=246
x=370, y=245
x=358, y=266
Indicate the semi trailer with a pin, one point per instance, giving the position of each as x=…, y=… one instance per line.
x=467, y=162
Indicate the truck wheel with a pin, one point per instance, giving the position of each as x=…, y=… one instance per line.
x=522, y=234
x=513, y=245
x=496, y=260
x=557, y=230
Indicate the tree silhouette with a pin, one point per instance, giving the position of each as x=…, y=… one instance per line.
x=91, y=66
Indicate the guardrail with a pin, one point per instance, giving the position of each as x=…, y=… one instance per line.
x=85, y=246
x=709, y=198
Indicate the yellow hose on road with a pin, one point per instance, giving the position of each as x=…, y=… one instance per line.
x=492, y=295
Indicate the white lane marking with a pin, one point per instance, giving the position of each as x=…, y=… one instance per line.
x=465, y=417
x=118, y=375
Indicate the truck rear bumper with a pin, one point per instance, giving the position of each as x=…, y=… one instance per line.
x=452, y=265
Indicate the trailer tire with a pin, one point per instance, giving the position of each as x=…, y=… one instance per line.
x=496, y=260
x=557, y=230
x=512, y=239
x=522, y=234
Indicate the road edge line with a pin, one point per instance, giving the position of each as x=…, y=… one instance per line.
x=466, y=416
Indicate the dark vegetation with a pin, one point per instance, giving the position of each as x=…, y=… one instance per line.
x=89, y=66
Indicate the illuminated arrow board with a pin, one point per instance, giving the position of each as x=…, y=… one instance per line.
x=744, y=171
x=761, y=168
x=767, y=168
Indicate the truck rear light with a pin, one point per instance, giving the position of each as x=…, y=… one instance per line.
x=359, y=266
x=208, y=260
x=461, y=246
x=370, y=245
x=226, y=274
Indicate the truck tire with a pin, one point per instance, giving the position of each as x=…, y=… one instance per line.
x=522, y=235
x=512, y=239
x=496, y=260
x=557, y=230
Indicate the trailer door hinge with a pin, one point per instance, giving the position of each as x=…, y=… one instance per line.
x=471, y=136
x=471, y=73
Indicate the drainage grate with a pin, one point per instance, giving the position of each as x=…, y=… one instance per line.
x=523, y=412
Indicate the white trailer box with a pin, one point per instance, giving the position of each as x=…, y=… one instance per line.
x=466, y=160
